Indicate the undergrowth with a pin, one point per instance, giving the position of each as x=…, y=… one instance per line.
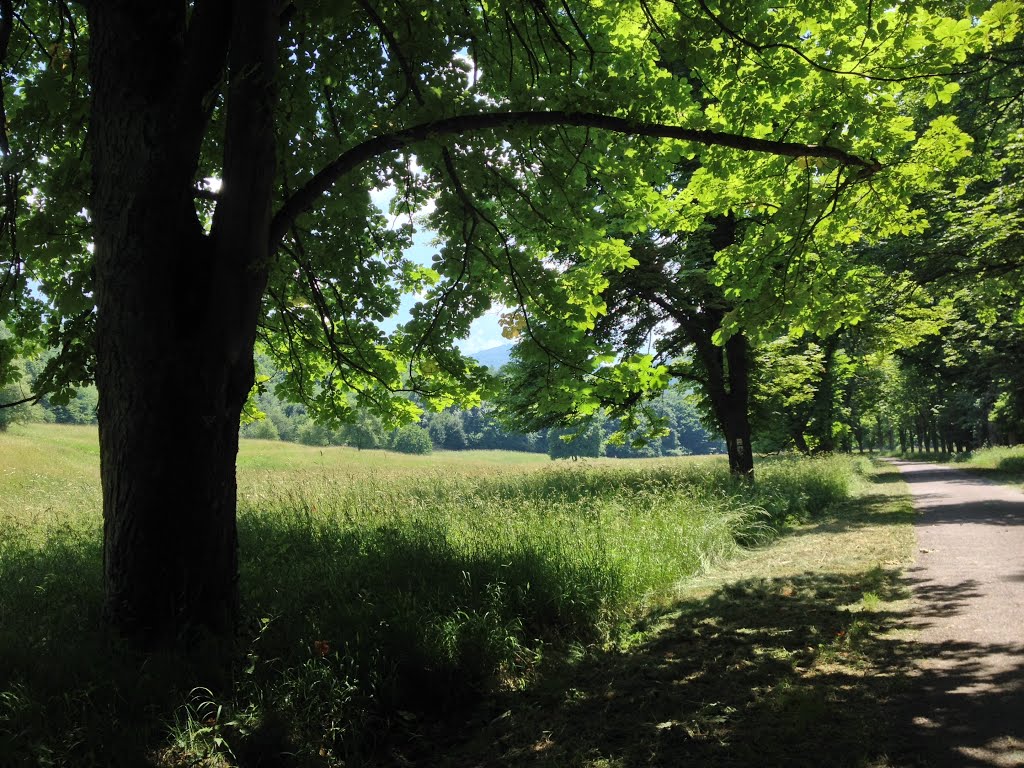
x=1004, y=459
x=1008, y=459
x=371, y=601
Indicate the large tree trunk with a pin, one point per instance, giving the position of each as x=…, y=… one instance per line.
x=800, y=441
x=727, y=368
x=176, y=307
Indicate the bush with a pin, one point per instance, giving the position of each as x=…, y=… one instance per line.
x=411, y=438
x=80, y=409
x=264, y=429
x=589, y=444
x=9, y=416
x=366, y=432
x=311, y=433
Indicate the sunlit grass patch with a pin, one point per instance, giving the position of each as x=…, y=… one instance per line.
x=1008, y=459
x=790, y=654
x=1002, y=463
x=373, y=591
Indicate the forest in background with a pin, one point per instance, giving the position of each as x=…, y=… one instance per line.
x=269, y=417
x=807, y=217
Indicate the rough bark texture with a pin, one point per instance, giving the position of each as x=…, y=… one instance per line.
x=741, y=454
x=726, y=369
x=726, y=383
x=176, y=308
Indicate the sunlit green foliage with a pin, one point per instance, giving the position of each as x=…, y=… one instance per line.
x=866, y=81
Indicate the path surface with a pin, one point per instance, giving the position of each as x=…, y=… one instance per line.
x=967, y=707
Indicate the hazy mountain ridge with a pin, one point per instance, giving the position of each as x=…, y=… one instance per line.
x=494, y=357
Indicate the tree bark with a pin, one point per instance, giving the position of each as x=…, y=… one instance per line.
x=800, y=442
x=727, y=376
x=176, y=308
x=741, y=454
x=823, y=406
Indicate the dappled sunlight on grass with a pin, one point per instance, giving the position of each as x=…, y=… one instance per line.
x=783, y=671
x=791, y=654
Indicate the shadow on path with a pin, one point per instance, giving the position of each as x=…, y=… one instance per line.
x=966, y=706
x=965, y=702
x=763, y=672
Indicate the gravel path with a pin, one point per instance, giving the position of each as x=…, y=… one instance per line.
x=967, y=706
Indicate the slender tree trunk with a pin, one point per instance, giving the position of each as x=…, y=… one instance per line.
x=176, y=308
x=741, y=454
x=728, y=391
x=801, y=442
x=823, y=406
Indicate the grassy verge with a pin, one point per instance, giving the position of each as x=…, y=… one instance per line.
x=792, y=654
x=1003, y=464
x=378, y=595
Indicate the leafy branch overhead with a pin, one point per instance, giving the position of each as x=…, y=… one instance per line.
x=529, y=132
x=307, y=196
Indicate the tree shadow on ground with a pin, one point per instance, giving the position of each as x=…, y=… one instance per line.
x=941, y=511
x=1007, y=471
x=886, y=478
x=784, y=671
x=942, y=472
x=866, y=511
x=964, y=703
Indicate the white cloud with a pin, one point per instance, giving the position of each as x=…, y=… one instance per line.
x=382, y=197
x=484, y=333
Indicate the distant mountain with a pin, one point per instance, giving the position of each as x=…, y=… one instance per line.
x=494, y=358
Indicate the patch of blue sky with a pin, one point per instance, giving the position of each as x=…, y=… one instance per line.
x=484, y=332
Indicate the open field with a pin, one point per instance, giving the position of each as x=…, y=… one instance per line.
x=387, y=595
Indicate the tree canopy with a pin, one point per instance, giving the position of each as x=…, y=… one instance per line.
x=530, y=130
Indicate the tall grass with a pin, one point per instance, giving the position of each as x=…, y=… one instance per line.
x=370, y=596
x=1009, y=459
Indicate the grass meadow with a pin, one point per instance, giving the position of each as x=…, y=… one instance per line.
x=1002, y=462
x=386, y=596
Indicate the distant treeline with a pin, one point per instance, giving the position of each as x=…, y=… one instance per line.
x=479, y=429
x=451, y=430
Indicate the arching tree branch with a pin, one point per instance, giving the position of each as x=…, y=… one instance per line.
x=30, y=399
x=304, y=198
